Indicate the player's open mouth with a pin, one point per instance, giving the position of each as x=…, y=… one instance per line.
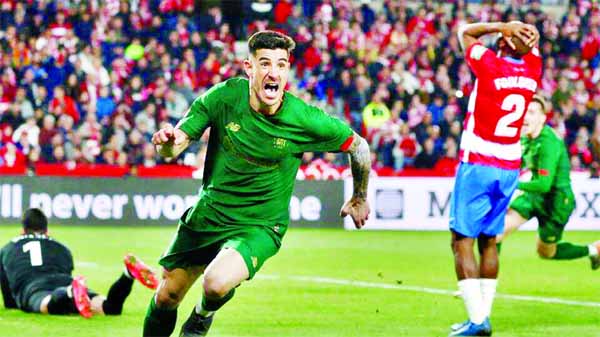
x=271, y=89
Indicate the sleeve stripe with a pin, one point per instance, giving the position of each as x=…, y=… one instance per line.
x=346, y=145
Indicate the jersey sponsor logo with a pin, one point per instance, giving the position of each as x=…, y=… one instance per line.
x=477, y=52
x=279, y=143
x=515, y=82
x=232, y=126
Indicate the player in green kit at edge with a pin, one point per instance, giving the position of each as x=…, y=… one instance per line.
x=548, y=196
x=257, y=137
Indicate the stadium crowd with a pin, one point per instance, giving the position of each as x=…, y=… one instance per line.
x=90, y=81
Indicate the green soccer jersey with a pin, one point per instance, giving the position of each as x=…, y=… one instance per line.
x=252, y=159
x=547, y=158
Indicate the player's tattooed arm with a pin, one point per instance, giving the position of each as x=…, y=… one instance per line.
x=170, y=141
x=360, y=161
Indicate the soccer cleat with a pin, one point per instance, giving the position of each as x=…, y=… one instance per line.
x=457, y=326
x=81, y=297
x=140, y=271
x=469, y=328
x=595, y=260
x=196, y=325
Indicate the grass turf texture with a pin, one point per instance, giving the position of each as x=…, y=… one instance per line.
x=285, y=306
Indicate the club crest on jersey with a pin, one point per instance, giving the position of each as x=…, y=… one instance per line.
x=279, y=143
x=232, y=126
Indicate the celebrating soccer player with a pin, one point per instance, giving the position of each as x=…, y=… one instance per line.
x=548, y=196
x=490, y=158
x=35, y=275
x=258, y=133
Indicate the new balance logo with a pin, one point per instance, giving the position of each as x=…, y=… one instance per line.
x=232, y=126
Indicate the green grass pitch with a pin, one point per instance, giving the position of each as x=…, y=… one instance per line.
x=307, y=291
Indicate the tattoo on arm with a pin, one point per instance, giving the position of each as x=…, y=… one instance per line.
x=360, y=162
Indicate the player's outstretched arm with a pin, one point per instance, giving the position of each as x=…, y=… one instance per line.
x=360, y=162
x=470, y=33
x=170, y=141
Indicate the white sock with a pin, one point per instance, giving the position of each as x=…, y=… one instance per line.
x=593, y=250
x=471, y=293
x=201, y=311
x=126, y=272
x=488, y=291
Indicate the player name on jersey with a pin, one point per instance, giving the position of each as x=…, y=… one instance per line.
x=515, y=82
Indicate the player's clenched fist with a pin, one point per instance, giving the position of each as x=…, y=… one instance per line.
x=170, y=141
x=167, y=134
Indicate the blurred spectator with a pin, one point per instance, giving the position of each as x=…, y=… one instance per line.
x=427, y=158
x=30, y=130
x=176, y=106
x=48, y=130
x=449, y=161
x=112, y=153
x=23, y=104
x=376, y=113
x=148, y=156
x=12, y=117
x=408, y=147
x=11, y=156
x=580, y=148
x=61, y=103
x=104, y=105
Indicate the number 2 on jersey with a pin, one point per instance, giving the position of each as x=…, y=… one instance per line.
x=516, y=104
x=35, y=252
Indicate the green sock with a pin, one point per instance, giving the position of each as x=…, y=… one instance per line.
x=568, y=251
x=498, y=246
x=212, y=305
x=159, y=322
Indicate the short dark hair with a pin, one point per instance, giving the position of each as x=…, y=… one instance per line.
x=34, y=220
x=269, y=39
x=540, y=100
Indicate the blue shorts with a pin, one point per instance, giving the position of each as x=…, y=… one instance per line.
x=480, y=199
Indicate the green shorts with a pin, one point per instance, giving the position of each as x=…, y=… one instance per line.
x=200, y=246
x=552, y=211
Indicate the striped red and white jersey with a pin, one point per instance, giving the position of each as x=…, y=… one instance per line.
x=503, y=89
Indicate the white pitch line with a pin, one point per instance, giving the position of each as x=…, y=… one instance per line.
x=85, y=264
x=363, y=284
